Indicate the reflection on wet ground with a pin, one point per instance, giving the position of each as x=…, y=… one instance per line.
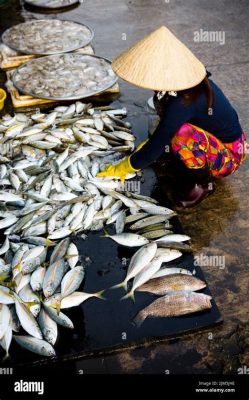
x=219, y=226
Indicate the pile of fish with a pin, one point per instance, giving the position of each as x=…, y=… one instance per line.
x=48, y=36
x=49, y=191
x=33, y=291
x=176, y=286
x=65, y=76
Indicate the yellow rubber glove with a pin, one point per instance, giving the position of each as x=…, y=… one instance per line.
x=119, y=170
x=141, y=145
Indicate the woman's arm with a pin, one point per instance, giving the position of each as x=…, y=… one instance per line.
x=174, y=117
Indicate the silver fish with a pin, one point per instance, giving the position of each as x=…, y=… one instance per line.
x=48, y=327
x=35, y=345
x=138, y=262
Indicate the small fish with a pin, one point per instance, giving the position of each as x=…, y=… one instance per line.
x=32, y=259
x=53, y=277
x=60, y=319
x=60, y=250
x=37, y=278
x=27, y=320
x=72, y=281
x=155, y=234
x=175, y=245
x=138, y=261
x=120, y=222
x=144, y=275
x=5, y=246
x=8, y=221
x=173, y=238
x=4, y=319
x=128, y=239
x=60, y=234
x=135, y=217
x=76, y=298
x=6, y=341
x=174, y=305
x=148, y=221
x=5, y=296
x=35, y=345
x=14, y=321
x=72, y=255
x=48, y=327
x=27, y=295
x=153, y=208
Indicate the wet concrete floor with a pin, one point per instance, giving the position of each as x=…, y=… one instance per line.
x=219, y=226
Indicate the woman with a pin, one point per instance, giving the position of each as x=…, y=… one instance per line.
x=198, y=125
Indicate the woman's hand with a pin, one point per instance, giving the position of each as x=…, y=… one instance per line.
x=120, y=170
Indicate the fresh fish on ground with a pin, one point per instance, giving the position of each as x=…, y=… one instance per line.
x=174, y=305
x=172, y=283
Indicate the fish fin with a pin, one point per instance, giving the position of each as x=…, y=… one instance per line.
x=70, y=256
x=99, y=295
x=6, y=357
x=11, y=284
x=139, y=319
x=18, y=267
x=3, y=278
x=11, y=294
x=40, y=297
x=29, y=304
x=120, y=285
x=106, y=234
x=129, y=295
x=58, y=308
x=49, y=243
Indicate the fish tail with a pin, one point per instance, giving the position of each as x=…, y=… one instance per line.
x=106, y=234
x=129, y=295
x=49, y=243
x=99, y=295
x=120, y=285
x=3, y=278
x=6, y=357
x=29, y=304
x=11, y=294
x=11, y=284
x=58, y=308
x=18, y=267
x=67, y=257
x=139, y=319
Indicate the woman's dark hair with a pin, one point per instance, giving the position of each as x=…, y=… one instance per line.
x=188, y=96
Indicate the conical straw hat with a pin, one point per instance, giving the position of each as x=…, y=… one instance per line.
x=160, y=62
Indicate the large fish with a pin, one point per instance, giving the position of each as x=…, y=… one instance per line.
x=174, y=305
x=172, y=283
